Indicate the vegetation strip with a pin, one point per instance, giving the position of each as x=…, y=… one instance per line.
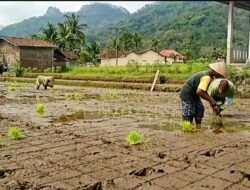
x=119, y=85
x=103, y=78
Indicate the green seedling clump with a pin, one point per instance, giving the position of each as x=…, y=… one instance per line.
x=113, y=95
x=12, y=86
x=69, y=96
x=23, y=85
x=77, y=96
x=188, y=127
x=15, y=133
x=1, y=142
x=134, y=138
x=40, y=108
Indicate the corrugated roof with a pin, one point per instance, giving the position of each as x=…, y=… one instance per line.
x=239, y=4
x=144, y=51
x=70, y=55
x=23, y=42
x=58, y=55
x=112, y=54
x=170, y=53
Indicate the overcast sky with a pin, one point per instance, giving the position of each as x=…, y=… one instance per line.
x=13, y=11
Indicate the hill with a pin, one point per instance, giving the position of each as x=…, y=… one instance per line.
x=192, y=28
x=95, y=15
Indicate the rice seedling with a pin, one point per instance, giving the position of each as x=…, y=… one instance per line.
x=217, y=121
x=40, y=108
x=15, y=133
x=188, y=127
x=12, y=86
x=77, y=96
x=1, y=142
x=113, y=95
x=69, y=96
x=134, y=138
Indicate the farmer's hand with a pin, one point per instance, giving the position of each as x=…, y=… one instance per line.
x=213, y=103
x=217, y=110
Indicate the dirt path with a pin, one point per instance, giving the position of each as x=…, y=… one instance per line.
x=80, y=144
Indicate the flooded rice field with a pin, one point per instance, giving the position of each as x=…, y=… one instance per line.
x=79, y=142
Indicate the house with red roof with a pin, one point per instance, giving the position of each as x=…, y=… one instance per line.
x=172, y=56
x=144, y=57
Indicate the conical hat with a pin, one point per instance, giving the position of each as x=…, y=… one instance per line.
x=219, y=67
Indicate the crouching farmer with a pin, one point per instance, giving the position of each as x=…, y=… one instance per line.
x=45, y=81
x=222, y=91
x=195, y=88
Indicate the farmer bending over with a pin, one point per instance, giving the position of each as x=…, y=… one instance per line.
x=222, y=91
x=195, y=88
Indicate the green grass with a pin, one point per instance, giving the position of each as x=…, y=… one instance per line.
x=40, y=108
x=15, y=133
x=132, y=72
x=175, y=71
x=134, y=138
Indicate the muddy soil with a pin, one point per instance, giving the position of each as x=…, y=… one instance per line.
x=79, y=142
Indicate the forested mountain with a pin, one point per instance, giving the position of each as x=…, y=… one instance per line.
x=95, y=15
x=193, y=28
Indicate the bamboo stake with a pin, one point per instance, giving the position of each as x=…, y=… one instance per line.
x=156, y=76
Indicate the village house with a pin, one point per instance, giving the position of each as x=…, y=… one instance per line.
x=60, y=58
x=172, y=56
x=31, y=52
x=145, y=57
x=71, y=58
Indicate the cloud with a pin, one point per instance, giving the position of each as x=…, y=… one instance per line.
x=14, y=11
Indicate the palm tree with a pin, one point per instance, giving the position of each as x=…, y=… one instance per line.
x=137, y=41
x=75, y=29
x=37, y=36
x=126, y=41
x=112, y=45
x=94, y=51
x=155, y=44
x=63, y=36
x=49, y=33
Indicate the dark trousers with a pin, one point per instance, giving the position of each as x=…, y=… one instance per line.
x=192, y=110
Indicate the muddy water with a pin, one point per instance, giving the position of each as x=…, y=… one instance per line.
x=228, y=127
x=87, y=115
x=163, y=126
x=224, y=127
x=93, y=115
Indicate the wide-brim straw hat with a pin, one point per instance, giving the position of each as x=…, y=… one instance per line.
x=219, y=67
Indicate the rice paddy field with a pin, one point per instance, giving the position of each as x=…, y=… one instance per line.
x=78, y=139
